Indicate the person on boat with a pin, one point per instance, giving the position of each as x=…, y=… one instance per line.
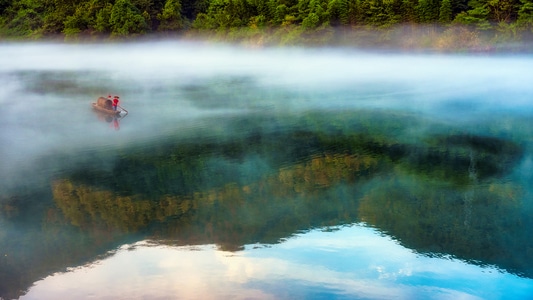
x=115, y=102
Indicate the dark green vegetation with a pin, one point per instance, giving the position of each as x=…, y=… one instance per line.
x=468, y=23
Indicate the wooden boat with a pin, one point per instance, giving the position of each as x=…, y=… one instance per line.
x=105, y=105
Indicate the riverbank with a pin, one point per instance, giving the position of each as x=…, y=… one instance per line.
x=404, y=38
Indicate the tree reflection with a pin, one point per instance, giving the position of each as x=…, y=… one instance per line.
x=441, y=194
x=399, y=189
x=233, y=215
x=474, y=224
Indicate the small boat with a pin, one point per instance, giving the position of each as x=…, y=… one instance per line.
x=105, y=105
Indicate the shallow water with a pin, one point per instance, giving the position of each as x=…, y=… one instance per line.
x=268, y=174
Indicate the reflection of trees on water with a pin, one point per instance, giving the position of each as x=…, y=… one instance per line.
x=260, y=212
x=478, y=218
x=469, y=194
x=430, y=218
x=416, y=204
x=438, y=196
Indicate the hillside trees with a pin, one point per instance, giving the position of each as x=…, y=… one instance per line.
x=89, y=16
x=126, y=19
x=25, y=17
x=117, y=18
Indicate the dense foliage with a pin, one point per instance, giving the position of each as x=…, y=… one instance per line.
x=116, y=18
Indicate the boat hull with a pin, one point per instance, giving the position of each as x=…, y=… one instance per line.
x=105, y=110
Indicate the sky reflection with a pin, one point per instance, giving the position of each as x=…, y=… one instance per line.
x=354, y=262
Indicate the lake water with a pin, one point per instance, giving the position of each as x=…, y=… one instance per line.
x=273, y=173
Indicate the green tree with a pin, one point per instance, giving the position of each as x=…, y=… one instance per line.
x=215, y=17
x=282, y=11
x=315, y=14
x=149, y=10
x=226, y=14
x=276, y=12
x=103, y=17
x=79, y=21
x=427, y=11
x=258, y=8
x=407, y=11
x=483, y=13
x=170, y=17
x=84, y=18
x=375, y=14
x=24, y=18
x=354, y=12
x=502, y=10
x=392, y=12
x=525, y=14
x=381, y=12
x=202, y=21
x=338, y=12
x=478, y=17
x=126, y=19
x=445, y=12
x=56, y=13
x=311, y=21
x=242, y=11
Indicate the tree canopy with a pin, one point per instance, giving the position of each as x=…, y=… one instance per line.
x=119, y=18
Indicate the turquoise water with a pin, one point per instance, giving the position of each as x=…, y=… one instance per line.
x=264, y=173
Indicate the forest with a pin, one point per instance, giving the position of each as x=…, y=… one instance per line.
x=502, y=20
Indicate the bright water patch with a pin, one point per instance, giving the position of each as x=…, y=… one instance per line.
x=353, y=262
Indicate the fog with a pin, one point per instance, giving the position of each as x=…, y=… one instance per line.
x=192, y=87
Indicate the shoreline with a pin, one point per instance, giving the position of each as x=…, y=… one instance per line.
x=405, y=38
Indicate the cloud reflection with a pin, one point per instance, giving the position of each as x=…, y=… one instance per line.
x=366, y=265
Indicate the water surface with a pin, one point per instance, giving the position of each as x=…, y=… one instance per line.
x=265, y=174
